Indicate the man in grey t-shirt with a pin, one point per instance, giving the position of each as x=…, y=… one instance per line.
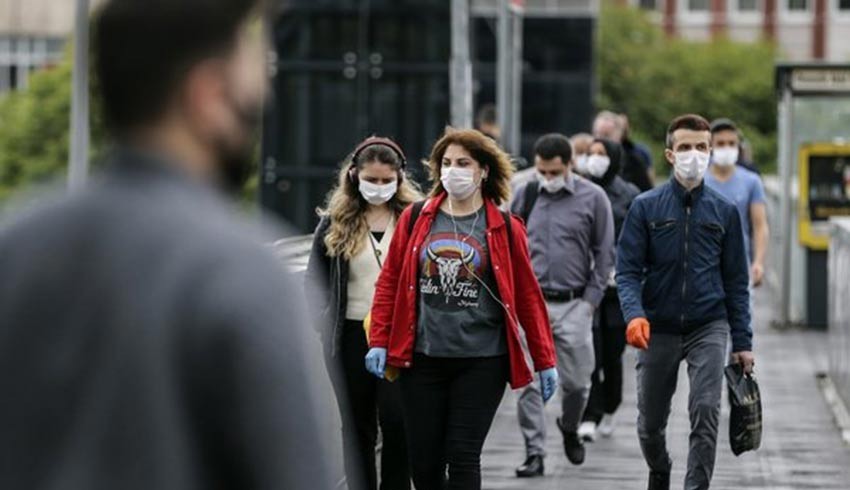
x=459, y=310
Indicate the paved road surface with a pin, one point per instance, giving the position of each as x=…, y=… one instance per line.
x=801, y=448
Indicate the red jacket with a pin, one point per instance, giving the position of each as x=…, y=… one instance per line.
x=396, y=294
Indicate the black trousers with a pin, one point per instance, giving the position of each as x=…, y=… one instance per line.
x=364, y=402
x=609, y=342
x=449, y=405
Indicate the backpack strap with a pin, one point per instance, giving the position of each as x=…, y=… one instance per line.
x=509, y=226
x=414, y=215
x=530, y=193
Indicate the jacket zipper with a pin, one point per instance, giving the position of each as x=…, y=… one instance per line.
x=685, y=264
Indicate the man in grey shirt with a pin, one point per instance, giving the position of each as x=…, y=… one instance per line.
x=148, y=339
x=571, y=240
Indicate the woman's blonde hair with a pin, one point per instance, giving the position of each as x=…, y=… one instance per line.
x=483, y=149
x=346, y=208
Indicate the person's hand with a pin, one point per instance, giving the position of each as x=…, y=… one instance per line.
x=757, y=274
x=376, y=361
x=548, y=383
x=637, y=333
x=746, y=359
x=590, y=307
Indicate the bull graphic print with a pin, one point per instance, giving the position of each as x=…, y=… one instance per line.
x=449, y=268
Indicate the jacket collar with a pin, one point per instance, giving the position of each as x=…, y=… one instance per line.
x=685, y=195
x=494, y=216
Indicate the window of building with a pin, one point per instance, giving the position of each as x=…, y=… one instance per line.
x=798, y=5
x=698, y=5
x=652, y=5
x=748, y=5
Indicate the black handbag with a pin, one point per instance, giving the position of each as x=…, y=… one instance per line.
x=745, y=419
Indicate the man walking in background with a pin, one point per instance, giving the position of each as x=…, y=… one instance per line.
x=148, y=339
x=571, y=241
x=682, y=280
x=744, y=189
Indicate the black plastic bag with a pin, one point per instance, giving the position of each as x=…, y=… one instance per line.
x=745, y=419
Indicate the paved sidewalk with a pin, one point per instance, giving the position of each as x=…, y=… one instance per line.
x=801, y=447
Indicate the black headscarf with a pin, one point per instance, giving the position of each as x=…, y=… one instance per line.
x=615, y=154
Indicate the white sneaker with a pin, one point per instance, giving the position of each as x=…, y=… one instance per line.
x=587, y=431
x=606, y=425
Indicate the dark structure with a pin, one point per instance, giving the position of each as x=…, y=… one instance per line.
x=346, y=69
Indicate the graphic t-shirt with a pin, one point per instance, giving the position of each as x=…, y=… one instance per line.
x=458, y=315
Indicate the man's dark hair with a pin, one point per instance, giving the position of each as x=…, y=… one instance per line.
x=143, y=49
x=693, y=122
x=486, y=115
x=554, y=145
x=723, y=124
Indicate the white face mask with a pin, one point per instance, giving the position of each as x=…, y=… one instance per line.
x=597, y=165
x=553, y=185
x=459, y=182
x=581, y=164
x=377, y=194
x=725, y=157
x=691, y=165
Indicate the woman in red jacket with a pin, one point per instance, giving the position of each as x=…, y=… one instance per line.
x=455, y=288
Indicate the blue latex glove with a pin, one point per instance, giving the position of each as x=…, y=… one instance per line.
x=548, y=383
x=376, y=361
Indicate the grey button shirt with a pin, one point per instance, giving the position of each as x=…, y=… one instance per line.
x=571, y=237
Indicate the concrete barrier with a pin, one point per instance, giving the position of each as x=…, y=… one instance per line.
x=839, y=306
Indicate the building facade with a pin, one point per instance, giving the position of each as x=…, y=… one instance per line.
x=805, y=30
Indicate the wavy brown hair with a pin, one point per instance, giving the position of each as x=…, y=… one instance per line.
x=346, y=208
x=486, y=152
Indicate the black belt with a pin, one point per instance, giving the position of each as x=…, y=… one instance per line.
x=563, y=296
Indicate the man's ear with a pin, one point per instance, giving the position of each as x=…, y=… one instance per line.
x=670, y=156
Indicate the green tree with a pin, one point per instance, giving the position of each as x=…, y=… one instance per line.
x=654, y=78
x=35, y=127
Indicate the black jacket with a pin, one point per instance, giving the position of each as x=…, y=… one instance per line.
x=326, y=285
x=636, y=164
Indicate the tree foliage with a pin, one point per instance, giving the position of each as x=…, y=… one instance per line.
x=654, y=78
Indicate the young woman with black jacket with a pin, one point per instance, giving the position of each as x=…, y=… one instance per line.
x=348, y=251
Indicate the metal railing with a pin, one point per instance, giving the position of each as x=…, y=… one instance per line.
x=838, y=315
x=293, y=252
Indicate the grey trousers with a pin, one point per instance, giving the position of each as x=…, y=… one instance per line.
x=572, y=329
x=657, y=370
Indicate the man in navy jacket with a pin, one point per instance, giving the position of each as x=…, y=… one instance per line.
x=682, y=275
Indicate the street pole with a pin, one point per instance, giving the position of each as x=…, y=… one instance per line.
x=516, y=77
x=786, y=159
x=504, y=75
x=461, y=67
x=509, y=73
x=78, y=160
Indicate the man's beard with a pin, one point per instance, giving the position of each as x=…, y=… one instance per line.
x=236, y=160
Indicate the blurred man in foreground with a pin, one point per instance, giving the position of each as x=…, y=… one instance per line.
x=147, y=339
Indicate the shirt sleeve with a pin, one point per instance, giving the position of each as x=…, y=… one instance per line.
x=602, y=248
x=631, y=262
x=736, y=283
x=757, y=193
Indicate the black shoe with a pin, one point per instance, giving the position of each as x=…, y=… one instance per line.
x=532, y=467
x=659, y=481
x=573, y=446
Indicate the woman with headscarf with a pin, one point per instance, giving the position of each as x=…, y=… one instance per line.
x=603, y=168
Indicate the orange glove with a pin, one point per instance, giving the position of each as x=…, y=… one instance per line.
x=637, y=333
